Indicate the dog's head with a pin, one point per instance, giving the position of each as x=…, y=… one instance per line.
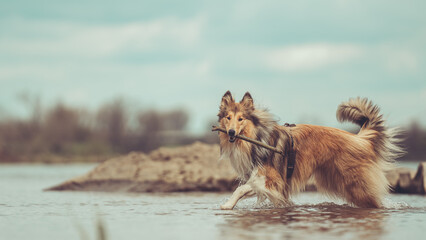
x=236, y=117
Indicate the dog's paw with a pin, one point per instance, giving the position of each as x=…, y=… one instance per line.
x=226, y=207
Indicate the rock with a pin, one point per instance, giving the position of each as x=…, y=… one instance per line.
x=190, y=168
x=404, y=183
x=411, y=181
x=396, y=174
x=393, y=177
x=420, y=178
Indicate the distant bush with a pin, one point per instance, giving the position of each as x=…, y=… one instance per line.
x=415, y=142
x=62, y=131
x=65, y=133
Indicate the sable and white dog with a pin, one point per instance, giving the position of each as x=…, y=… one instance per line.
x=346, y=165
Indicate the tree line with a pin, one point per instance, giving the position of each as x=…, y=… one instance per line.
x=62, y=133
x=66, y=133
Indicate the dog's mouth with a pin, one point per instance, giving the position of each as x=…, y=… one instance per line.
x=232, y=139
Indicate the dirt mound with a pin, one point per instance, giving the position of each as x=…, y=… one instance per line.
x=193, y=168
x=190, y=168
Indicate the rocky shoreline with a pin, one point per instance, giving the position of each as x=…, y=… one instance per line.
x=193, y=168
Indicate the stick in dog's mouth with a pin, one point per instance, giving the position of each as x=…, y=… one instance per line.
x=232, y=139
x=242, y=137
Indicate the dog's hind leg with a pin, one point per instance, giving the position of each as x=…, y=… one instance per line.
x=361, y=187
x=368, y=191
x=242, y=191
x=361, y=197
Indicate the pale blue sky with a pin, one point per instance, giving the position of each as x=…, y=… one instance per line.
x=298, y=58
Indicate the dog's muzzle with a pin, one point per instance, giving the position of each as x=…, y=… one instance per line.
x=231, y=134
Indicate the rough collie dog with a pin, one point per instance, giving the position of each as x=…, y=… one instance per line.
x=345, y=165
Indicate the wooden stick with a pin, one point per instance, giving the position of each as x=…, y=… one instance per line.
x=261, y=144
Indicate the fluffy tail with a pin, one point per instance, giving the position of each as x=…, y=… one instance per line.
x=367, y=115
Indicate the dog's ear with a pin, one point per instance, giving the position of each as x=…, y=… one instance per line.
x=247, y=101
x=226, y=100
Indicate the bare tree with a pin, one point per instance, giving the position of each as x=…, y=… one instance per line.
x=61, y=126
x=112, y=122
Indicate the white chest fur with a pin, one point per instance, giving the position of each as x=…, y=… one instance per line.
x=240, y=160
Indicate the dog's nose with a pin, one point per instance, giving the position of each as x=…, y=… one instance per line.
x=231, y=132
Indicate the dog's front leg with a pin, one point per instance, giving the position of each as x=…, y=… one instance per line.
x=242, y=191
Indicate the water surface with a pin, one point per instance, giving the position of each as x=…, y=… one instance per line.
x=27, y=212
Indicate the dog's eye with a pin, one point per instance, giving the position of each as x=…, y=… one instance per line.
x=229, y=118
x=240, y=119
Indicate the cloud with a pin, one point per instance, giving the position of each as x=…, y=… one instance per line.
x=73, y=39
x=310, y=56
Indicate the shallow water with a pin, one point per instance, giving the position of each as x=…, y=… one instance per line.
x=27, y=212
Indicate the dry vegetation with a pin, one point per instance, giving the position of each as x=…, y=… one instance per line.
x=63, y=133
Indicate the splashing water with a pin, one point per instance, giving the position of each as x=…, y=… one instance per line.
x=390, y=204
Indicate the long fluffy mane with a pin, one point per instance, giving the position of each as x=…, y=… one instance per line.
x=264, y=131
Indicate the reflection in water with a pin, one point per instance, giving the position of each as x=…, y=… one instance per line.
x=326, y=220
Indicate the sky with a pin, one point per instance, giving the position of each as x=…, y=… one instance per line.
x=299, y=59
